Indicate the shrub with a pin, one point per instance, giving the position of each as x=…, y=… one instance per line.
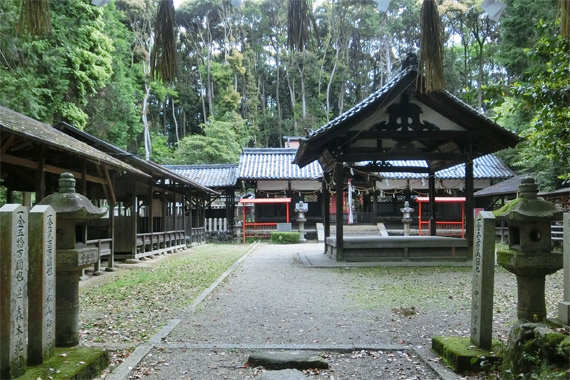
x=285, y=237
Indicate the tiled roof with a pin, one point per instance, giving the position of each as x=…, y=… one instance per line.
x=275, y=164
x=33, y=130
x=488, y=166
x=509, y=186
x=148, y=167
x=212, y=175
x=486, y=136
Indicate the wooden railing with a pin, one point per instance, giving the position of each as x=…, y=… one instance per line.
x=444, y=228
x=104, y=247
x=160, y=242
x=198, y=235
x=216, y=224
x=258, y=229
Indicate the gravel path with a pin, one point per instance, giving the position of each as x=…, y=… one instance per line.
x=274, y=301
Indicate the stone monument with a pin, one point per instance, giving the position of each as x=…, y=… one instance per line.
x=483, y=280
x=73, y=211
x=41, y=284
x=529, y=253
x=407, y=217
x=564, y=306
x=13, y=290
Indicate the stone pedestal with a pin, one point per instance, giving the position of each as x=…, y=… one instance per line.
x=70, y=264
x=407, y=217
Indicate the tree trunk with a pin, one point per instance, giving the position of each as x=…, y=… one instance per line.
x=175, y=120
x=147, y=142
x=329, y=85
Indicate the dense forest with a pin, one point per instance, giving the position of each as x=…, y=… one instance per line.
x=240, y=82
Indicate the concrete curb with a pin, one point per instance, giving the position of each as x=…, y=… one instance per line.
x=125, y=368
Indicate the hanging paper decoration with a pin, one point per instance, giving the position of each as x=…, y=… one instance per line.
x=383, y=5
x=34, y=17
x=493, y=8
x=163, y=56
x=430, y=73
x=350, y=214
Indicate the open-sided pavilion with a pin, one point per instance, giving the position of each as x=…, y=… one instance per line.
x=399, y=123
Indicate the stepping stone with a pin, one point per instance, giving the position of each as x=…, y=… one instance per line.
x=284, y=374
x=287, y=359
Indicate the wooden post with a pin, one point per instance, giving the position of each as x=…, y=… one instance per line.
x=432, y=217
x=326, y=208
x=339, y=177
x=134, y=220
x=469, y=218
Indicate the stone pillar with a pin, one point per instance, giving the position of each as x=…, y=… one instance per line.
x=483, y=280
x=41, y=284
x=564, y=306
x=13, y=290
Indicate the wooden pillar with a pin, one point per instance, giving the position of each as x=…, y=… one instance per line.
x=190, y=221
x=41, y=176
x=134, y=220
x=432, y=217
x=339, y=177
x=326, y=209
x=469, y=200
x=111, y=259
x=164, y=206
x=375, y=205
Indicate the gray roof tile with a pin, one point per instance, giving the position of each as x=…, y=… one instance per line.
x=210, y=175
x=275, y=164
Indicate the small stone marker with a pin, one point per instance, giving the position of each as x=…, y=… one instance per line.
x=483, y=280
x=564, y=306
x=41, y=284
x=13, y=290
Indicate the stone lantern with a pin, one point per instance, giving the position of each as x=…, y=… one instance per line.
x=73, y=210
x=407, y=217
x=301, y=208
x=529, y=254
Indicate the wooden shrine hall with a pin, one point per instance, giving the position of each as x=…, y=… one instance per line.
x=395, y=124
x=154, y=210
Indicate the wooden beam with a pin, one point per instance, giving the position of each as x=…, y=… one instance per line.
x=48, y=168
x=373, y=155
x=391, y=169
x=7, y=144
x=456, y=136
x=111, y=196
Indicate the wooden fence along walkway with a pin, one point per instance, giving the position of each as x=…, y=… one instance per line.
x=216, y=224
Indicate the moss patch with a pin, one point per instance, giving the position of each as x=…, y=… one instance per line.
x=70, y=363
x=460, y=354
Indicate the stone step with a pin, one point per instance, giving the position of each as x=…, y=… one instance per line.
x=287, y=360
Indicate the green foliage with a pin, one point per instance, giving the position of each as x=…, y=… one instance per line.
x=545, y=92
x=285, y=237
x=221, y=143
